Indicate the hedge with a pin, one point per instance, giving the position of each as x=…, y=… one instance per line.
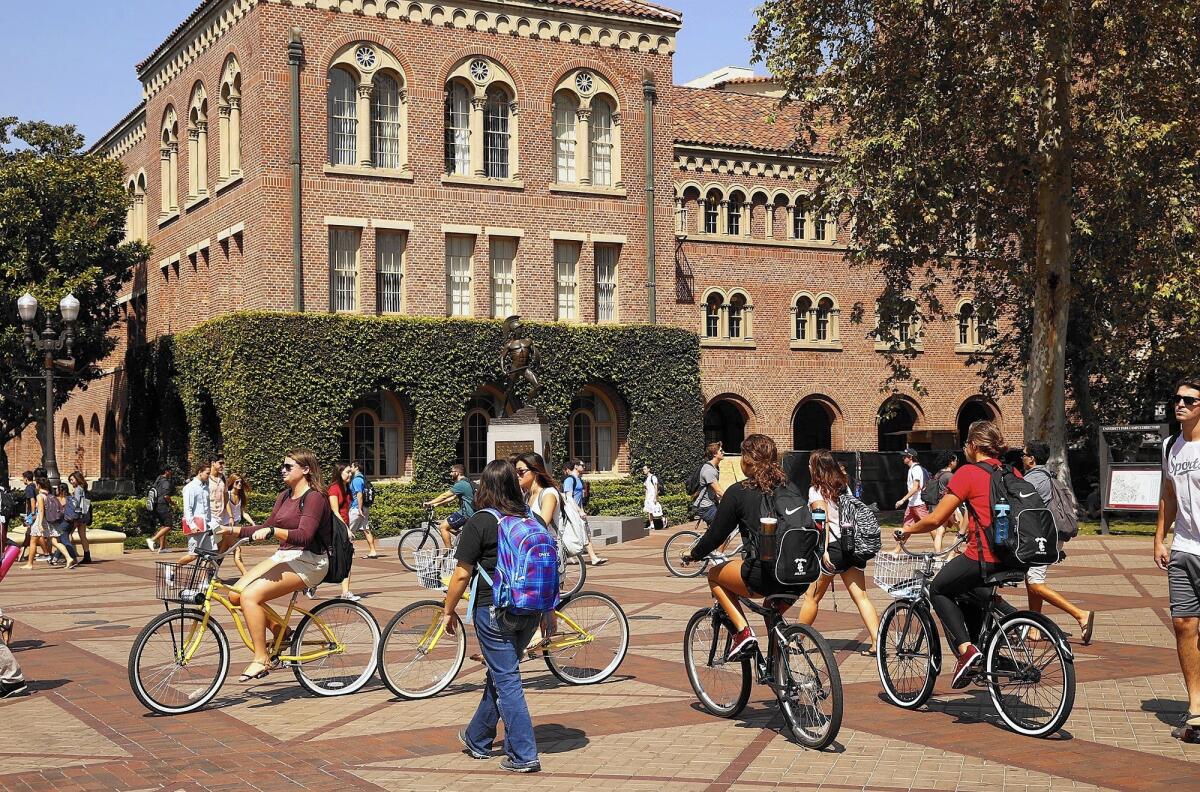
x=257, y=384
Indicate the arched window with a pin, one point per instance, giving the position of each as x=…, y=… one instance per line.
x=593, y=431
x=602, y=142
x=343, y=118
x=713, y=307
x=799, y=220
x=169, y=163
x=496, y=134
x=94, y=438
x=712, y=212
x=385, y=121
x=812, y=425
x=374, y=436
x=972, y=332
x=198, y=144
x=737, y=315
x=231, y=121
x=804, y=308
x=458, y=130
x=481, y=410
x=733, y=214
x=895, y=419
x=824, y=312
x=565, y=109
x=905, y=331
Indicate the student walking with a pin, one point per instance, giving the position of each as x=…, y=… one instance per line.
x=163, y=489
x=912, y=503
x=238, y=503
x=339, y=503
x=1033, y=457
x=711, y=491
x=360, y=514
x=66, y=521
x=1179, y=509
x=32, y=545
x=197, y=513
x=464, y=492
x=650, y=505
x=573, y=488
x=83, y=512
x=47, y=514
x=503, y=637
x=828, y=483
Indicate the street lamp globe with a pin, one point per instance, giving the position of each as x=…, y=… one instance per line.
x=27, y=307
x=69, y=307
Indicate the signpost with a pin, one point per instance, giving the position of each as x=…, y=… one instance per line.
x=1129, y=486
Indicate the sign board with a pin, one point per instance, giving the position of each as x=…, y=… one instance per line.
x=1133, y=487
x=505, y=448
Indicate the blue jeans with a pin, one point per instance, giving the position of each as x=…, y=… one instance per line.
x=503, y=640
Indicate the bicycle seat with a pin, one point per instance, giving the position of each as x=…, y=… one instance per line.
x=1004, y=578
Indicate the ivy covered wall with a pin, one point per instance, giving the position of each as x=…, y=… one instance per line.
x=257, y=384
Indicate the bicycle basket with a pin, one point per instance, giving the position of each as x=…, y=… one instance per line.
x=175, y=583
x=434, y=567
x=900, y=575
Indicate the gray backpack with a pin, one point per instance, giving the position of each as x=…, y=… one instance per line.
x=1062, y=508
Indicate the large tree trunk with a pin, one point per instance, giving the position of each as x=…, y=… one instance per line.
x=1044, y=400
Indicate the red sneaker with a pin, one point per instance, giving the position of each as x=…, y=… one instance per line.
x=743, y=641
x=966, y=662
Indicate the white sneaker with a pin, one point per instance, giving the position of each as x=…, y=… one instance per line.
x=150, y=544
x=350, y=595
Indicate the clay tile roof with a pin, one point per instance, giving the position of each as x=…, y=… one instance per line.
x=634, y=8
x=745, y=80
x=721, y=118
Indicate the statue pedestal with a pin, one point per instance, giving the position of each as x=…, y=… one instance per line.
x=523, y=431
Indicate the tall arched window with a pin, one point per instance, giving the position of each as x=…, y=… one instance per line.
x=587, y=131
x=198, y=143
x=140, y=223
x=804, y=308
x=231, y=121
x=593, y=431
x=602, y=142
x=733, y=214
x=712, y=212
x=565, y=109
x=737, y=315
x=169, y=163
x=343, y=118
x=385, y=121
x=824, y=313
x=799, y=220
x=481, y=410
x=713, y=307
x=374, y=436
x=458, y=130
x=496, y=134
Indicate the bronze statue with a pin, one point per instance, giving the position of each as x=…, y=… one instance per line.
x=517, y=360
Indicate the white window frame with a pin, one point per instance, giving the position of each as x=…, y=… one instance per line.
x=502, y=253
x=345, y=246
x=391, y=251
x=343, y=118
x=606, y=257
x=566, y=279
x=460, y=252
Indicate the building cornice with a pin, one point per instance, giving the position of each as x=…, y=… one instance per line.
x=746, y=162
x=125, y=134
x=530, y=20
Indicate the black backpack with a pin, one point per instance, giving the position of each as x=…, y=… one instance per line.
x=934, y=489
x=340, y=550
x=798, y=545
x=1032, y=536
x=10, y=507
x=368, y=494
x=693, y=485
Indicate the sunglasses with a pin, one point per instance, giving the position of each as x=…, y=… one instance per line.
x=523, y=471
x=1186, y=401
x=286, y=467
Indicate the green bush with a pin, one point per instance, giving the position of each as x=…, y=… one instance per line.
x=127, y=515
x=257, y=384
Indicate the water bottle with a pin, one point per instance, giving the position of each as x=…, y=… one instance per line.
x=818, y=516
x=1000, y=523
x=191, y=596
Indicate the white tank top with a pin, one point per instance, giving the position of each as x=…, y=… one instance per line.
x=556, y=522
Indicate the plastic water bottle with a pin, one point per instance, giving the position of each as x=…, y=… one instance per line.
x=1000, y=523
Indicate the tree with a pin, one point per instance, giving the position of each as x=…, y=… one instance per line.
x=62, y=229
x=1041, y=156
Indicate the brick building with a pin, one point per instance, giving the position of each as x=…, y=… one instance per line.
x=484, y=158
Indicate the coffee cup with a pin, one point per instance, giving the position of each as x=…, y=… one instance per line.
x=768, y=525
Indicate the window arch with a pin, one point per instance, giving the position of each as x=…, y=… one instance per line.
x=94, y=445
x=368, y=109
x=739, y=319
x=230, y=122
x=198, y=144
x=586, y=112
x=895, y=421
x=972, y=329
x=592, y=433
x=714, y=309
x=169, y=162
x=799, y=212
x=803, y=309
x=905, y=331
x=815, y=321
x=374, y=436
x=140, y=232
x=482, y=409
x=712, y=211
x=481, y=121
x=734, y=213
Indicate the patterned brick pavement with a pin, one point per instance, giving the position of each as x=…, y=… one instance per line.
x=82, y=729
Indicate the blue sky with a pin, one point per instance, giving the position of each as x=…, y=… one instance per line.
x=87, y=49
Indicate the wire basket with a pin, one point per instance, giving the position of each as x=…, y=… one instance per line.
x=901, y=575
x=175, y=583
x=434, y=567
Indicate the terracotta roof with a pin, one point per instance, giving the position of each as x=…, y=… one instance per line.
x=633, y=8
x=722, y=118
x=745, y=80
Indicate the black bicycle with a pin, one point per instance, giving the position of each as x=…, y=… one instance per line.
x=684, y=539
x=799, y=667
x=1028, y=666
x=424, y=537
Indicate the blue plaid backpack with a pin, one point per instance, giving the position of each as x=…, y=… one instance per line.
x=526, y=577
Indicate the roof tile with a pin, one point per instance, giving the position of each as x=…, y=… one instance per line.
x=724, y=118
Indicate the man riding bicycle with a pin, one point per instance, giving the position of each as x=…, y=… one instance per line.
x=464, y=492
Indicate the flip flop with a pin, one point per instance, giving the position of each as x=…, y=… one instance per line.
x=867, y=652
x=368, y=555
x=245, y=679
x=600, y=562
x=1088, y=627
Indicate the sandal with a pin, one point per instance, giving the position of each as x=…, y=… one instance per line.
x=6, y=628
x=600, y=562
x=1089, y=625
x=868, y=652
x=247, y=678
x=368, y=555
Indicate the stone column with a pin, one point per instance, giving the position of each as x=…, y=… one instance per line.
x=363, y=128
x=514, y=147
x=403, y=94
x=789, y=232
x=476, y=141
x=235, y=136
x=223, y=124
x=583, y=149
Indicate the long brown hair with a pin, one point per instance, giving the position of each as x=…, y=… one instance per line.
x=234, y=478
x=307, y=459
x=760, y=463
x=537, y=465
x=828, y=478
x=988, y=438
x=500, y=489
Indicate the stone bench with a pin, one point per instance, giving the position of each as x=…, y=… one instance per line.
x=614, y=530
x=103, y=544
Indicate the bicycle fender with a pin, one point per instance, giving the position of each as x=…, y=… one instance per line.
x=935, y=640
x=1048, y=627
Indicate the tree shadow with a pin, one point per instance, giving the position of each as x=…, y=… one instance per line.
x=45, y=684
x=1166, y=710
x=553, y=738
x=29, y=643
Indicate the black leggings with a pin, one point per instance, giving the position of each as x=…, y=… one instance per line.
x=958, y=595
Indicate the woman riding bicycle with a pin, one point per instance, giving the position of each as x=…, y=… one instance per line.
x=740, y=508
x=300, y=562
x=963, y=578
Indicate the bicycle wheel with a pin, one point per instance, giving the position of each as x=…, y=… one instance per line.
x=1032, y=682
x=571, y=577
x=591, y=639
x=410, y=664
x=809, y=686
x=676, y=544
x=905, y=654
x=415, y=539
x=723, y=687
x=172, y=668
x=350, y=633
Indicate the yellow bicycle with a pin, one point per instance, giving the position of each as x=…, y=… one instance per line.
x=173, y=669
x=417, y=659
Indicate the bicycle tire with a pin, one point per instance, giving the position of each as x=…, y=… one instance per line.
x=800, y=670
x=713, y=646
x=597, y=660
x=914, y=645
x=416, y=539
x=199, y=696
x=1051, y=654
x=347, y=671
x=676, y=544
x=574, y=574
x=398, y=660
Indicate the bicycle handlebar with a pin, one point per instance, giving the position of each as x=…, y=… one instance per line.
x=962, y=539
x=212, y=555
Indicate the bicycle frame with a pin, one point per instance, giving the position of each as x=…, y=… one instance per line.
x=580, y=636
x=764, y=665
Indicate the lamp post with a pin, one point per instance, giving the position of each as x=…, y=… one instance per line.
x=48, y=342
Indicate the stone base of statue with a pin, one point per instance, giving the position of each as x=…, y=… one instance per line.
x=523, y=431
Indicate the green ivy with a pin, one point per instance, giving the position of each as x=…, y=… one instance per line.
x=258, y=384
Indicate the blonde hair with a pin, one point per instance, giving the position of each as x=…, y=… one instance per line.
x=988, y=438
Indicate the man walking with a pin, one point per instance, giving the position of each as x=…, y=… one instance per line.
x=360, y=516
x=711, y=490
x=164, y=488
x=1179, y=506
x=914, y=506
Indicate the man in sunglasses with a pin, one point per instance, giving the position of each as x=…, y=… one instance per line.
x=1179, y=504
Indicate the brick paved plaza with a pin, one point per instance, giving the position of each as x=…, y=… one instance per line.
x=82, y=729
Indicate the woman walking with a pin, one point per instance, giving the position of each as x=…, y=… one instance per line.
x=66, y=520
x=339, y=503
x=239, y=494
x=83, y=512
x=502, y=636
x=828, y=483
x=47, y=512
